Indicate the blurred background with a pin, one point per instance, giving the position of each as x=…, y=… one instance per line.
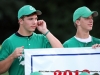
x=57, y=14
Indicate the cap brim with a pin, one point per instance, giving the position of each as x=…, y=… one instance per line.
x=94, y=13
x=38, y=12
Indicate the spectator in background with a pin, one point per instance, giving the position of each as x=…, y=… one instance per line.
x=36, y=73
x=96, y=74
x=84, y=73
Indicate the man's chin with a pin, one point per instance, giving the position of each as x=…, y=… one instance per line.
x=90, y=29
x=33, y=30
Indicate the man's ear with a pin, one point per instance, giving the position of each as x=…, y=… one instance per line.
x=78, y=22
x=20, y=21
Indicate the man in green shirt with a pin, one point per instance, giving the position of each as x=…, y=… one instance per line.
x=83, y=21
x=11, y=53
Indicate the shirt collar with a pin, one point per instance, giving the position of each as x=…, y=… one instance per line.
x=22, y=35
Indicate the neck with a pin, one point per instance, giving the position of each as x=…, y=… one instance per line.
x=24, y=32
x=82, y=34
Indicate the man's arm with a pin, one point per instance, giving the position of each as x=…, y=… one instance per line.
x=5, y=64
x=55, y=43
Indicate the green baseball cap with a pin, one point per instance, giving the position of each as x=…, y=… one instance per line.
x=84, y=73
x=27, y=10
x=36, y=73
x=83, y=12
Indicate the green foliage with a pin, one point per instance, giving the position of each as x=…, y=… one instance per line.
x=57, y=13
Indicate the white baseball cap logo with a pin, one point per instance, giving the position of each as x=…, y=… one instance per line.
x=31, y=8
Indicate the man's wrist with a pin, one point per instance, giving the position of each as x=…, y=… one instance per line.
x=11, y=56
x=46, y=33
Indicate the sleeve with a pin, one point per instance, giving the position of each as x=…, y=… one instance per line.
x=98, y=41
x=5, y=50
x=65, y=44
x=46, y=43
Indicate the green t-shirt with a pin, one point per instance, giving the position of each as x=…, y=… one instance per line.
x=73, y=42
x=16, y=40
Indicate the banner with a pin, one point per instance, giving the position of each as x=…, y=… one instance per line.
x=63, y=60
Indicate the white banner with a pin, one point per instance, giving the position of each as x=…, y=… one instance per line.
x=49, y=60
